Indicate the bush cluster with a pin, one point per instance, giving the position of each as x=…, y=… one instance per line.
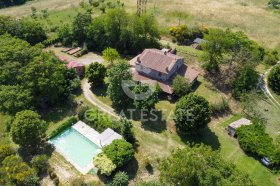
x=68, y=123
x=253, y=139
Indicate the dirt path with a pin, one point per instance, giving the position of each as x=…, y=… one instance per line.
x=95, y=101
x=264, y=87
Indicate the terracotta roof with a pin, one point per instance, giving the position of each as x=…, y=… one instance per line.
x=158, y=60
x=74, y=64
x=189, y=73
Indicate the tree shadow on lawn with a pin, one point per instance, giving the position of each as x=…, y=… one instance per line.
x=57, y=113
x=28, y=154
x=151, y=120
x=205, y=136
x=100, y=90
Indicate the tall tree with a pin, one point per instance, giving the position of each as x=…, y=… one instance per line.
x=28, y=129
x=117, y=75
x=146, y=97
x=192, y=113
x=110, y=55
x=274, y=79
x=80, y=26
x=96, y=73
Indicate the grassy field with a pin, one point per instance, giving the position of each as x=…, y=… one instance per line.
x=251, y=16
x=231, y=151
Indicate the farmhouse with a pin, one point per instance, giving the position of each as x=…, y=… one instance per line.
x=233, y=126
x=160, y=67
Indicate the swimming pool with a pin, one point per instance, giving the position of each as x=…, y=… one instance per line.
x=76, y=148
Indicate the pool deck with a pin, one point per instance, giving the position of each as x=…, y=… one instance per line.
x=88, y=132
x=101, y=140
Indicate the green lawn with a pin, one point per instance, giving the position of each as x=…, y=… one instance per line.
x=231, y=151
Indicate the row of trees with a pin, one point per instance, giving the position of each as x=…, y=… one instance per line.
x=31, y=78
x=28, y=30
x=127, y=33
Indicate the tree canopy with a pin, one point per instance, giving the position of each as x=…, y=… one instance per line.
x=200, y=165
x=110, y=55
x=150, y=97
x=119, y=151
x=274, y=79
x=116, y=77
x=28, y=30
x=192, y=113
x=181, y=86
x=116, y=29
x=96, y=73
x=246, y=81
x=17, y=172
x=31, y=77
x=28, y=129
x=104, y=164
x=254, y=139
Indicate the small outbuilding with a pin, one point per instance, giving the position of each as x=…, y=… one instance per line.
x=235, y=125
x=197, y=43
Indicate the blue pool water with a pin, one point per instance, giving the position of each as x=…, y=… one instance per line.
x=76, y=147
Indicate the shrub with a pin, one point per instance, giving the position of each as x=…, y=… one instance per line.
x=40, y=163
x=81, y=111
x=120, y=179
x=104, y=164
x=68, y=123
x=100, y=121
x=274, y=4
x=274, y=79
x=246, y=81
x=126, y=130
x=5, y=151
x=110, y=55
x=220, y=107
x=185, y=35
x=271, y=58
x=181, y=86
x=119, y=151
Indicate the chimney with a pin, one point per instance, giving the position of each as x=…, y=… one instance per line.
x=138, y=60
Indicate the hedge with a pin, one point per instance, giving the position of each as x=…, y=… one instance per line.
x=70, y=121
